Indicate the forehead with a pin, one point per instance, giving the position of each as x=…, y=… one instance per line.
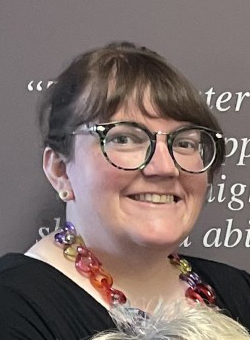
x=152, y=119
x=154, y=123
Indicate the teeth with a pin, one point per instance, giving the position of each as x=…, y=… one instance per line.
x=154, y=198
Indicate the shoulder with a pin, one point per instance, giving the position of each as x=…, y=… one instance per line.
x=12, y=264
x=36, y=279
x=220, y=271
x=231, y=285
x=27, y=281
x=18, y=269
x=37, y=302
x=223, y=276
x=20, y=314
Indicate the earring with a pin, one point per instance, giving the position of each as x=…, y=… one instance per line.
x=66, y=195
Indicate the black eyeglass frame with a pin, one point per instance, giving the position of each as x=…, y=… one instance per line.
x=103, y=129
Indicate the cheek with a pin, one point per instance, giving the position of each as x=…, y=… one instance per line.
x=94, y=177
x=196, y=185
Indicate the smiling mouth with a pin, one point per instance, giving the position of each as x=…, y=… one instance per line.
x=155, y=198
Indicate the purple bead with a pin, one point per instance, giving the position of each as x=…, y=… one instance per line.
x=188, y=279
x=66, y=235
x=195, y=277
x=60, y=237
x=69, y=227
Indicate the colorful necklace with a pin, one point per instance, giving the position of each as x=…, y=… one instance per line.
x=88, y=265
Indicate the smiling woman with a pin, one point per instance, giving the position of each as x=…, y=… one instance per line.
x=130, y=146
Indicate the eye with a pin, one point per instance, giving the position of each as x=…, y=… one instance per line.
x=123, y=139
x=186, y=146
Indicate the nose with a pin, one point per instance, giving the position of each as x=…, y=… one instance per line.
x=161, y=164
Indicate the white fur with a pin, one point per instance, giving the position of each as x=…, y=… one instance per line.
x=183, y=320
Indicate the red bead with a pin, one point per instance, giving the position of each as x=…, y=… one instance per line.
x=207, y=291
x=117, y=296
x=192, y=294
x=201, y=292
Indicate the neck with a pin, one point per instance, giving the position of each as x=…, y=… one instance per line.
x=139, y=271
x=142, y=274
x=131, y=260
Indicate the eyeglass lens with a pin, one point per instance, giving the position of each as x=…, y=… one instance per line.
x=193, y=150
x=129, y=147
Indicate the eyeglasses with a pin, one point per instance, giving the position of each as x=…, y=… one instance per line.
x=130, y=145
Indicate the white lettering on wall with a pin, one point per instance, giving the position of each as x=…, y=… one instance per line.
x=233, y=236
x=225, y=100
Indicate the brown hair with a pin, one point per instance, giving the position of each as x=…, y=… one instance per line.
x=99, y=82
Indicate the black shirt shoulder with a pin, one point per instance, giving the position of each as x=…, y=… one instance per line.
x=38, y=302
x=231, y=285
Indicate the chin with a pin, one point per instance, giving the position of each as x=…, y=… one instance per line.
x=159, y=242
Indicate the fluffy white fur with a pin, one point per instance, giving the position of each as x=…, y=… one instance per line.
x=183, y=320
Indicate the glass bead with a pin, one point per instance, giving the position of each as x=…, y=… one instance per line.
x=69, y=227
x=107, y=278
x=116, y=296
x=69, y=238
x=192, y=294
x=201, y=292
x=188, y=279
x=184, y=266
x=64, y=238
x=195, y=277
x=60, y=238
x=96, y=283
x=105, y=283
x=174, y=259
x=79, y=241
x=206, y=291
x=82, y=266
x=70, y=253
x=88, y=256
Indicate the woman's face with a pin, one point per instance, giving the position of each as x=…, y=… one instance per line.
x=105, y=207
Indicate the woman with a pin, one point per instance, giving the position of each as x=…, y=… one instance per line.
x=130, y=147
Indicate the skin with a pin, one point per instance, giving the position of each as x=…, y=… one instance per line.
x=102, y=196
x=131, y=238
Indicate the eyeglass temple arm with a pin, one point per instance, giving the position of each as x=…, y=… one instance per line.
x=83, y=129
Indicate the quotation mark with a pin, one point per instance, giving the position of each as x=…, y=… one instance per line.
x=40, y=85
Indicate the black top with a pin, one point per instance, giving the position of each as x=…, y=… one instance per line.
x=37, y=302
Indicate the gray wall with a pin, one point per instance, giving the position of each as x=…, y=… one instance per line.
x=207, y=40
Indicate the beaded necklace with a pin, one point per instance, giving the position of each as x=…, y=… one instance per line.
x=88, y=265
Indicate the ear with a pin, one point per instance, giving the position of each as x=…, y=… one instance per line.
x=54, y=166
